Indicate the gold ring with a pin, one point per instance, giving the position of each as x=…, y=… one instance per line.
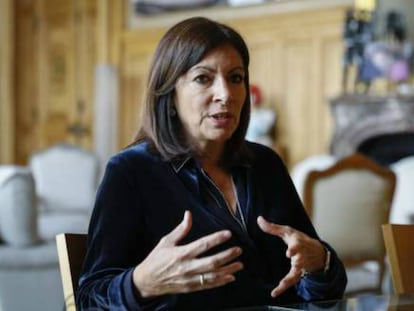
x=201, y=279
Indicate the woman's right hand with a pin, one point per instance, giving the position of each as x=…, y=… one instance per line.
x=172, y=268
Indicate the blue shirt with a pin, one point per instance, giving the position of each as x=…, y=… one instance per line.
x=142, y=198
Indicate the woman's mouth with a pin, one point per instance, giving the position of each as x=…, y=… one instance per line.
x=221, y=119
x=221, y=116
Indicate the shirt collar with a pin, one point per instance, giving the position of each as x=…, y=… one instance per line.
x=234, y=161
x=178, y=164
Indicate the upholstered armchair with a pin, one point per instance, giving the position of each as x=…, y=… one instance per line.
x=54, y=194
x=28, y=276
x=18, y=219
x=66, y=179
x=348, y=202
x=300, y=171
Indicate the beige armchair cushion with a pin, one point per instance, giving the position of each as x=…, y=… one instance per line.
x=66, y=178
x=18, y=214
x=337, y=205
x=52, y=223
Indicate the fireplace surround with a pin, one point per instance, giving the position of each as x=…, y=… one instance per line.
x=381, y=127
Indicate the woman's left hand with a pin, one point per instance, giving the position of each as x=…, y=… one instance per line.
x=305, y=253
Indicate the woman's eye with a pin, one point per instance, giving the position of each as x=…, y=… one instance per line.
x=202, y=79
x=236, y=78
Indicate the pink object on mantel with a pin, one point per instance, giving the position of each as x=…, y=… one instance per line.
x=244, y=2
x=399, y=71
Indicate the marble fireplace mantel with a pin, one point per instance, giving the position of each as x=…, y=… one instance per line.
x=359, y=117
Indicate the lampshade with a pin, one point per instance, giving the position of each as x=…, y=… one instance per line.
x=365, y=5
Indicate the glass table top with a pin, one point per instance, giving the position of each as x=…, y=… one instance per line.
x=360, y=303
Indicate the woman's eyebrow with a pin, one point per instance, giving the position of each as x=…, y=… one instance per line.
x=238, y=68
x=202, y=67
x=213, y=70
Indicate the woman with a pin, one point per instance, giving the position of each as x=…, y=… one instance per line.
x=192, y=216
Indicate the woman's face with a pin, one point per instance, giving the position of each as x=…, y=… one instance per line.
x=210, y=96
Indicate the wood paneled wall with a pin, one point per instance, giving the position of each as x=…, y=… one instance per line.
x=295, y=59
x=56, y=56
x=6, y=82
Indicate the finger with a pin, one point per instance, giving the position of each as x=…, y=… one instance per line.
x=214, y=262
x=204, y=244
x=297, y=261
x=218, y=277
x=289, y=280
x=179, y=232
x=272, y=228
x=221, y=281
x=206, y=281
x=227, y=269
x=215, y=277
x=293, y=250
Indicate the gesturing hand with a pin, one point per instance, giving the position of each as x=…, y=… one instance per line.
x=303, y=251
x=172, y=268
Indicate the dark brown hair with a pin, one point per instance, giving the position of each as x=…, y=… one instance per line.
x=183, y=46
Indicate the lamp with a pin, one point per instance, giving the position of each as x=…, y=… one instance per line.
x=365, y=5
x=364, y=9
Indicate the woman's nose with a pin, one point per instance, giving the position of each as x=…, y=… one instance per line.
x=222, y=91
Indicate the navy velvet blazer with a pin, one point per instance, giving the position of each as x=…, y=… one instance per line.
x=142, y=198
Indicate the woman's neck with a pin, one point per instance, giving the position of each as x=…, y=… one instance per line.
x=210, y=155
x=210, y=162
x=222, y=179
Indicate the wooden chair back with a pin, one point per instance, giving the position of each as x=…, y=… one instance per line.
x=399, y=245
x=347, y=203
x=71, y=249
